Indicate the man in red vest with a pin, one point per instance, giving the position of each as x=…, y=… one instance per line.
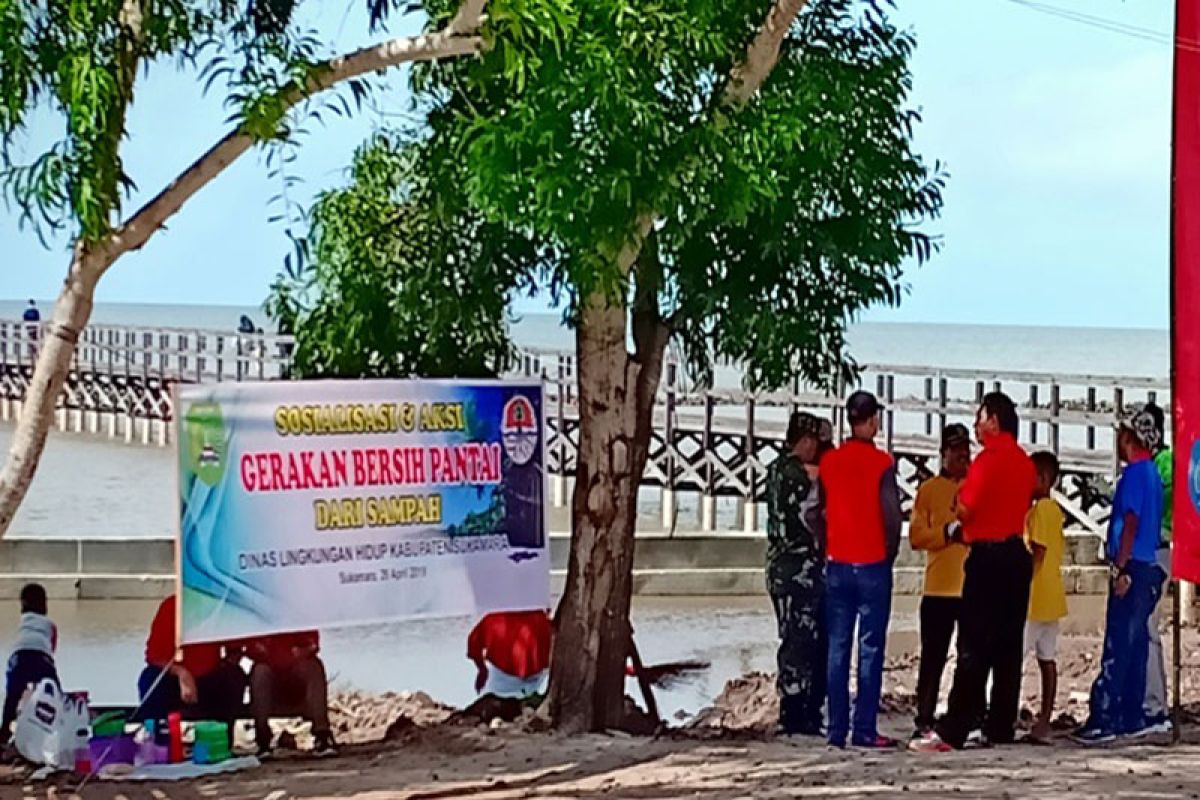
x=992, y=505
x=863, y=521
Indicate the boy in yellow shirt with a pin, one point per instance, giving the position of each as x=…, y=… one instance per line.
x=941, y=604
x=1047, y=597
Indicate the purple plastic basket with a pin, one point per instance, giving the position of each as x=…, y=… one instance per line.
x=108, y=750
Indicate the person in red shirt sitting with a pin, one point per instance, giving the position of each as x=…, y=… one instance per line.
x=511, y=650
x=195, y=681
x=287, y=678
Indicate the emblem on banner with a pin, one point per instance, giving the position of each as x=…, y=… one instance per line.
x=206, y=441
x=518, y=430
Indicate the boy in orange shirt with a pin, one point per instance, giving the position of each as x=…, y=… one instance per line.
x=932, y=515
x=1047, y=597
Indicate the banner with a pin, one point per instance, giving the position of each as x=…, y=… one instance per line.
x=1185, y=266
x=331, y=503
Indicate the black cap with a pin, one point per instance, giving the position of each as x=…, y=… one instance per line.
x=861, y=406
x=803, y=424
x=955, y=435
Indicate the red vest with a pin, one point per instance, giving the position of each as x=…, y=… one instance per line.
x=850, y=476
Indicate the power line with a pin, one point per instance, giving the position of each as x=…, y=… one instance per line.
x=1109, y=25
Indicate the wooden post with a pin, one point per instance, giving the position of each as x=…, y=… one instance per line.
x=750, y=521
x=890, y=414
x=668, y=489
x=1091, y=408
x=1055, y=425
x=708, y=501
x=560, y=477
x=1118, y=410
x=1033, y=407
x=1176, y=662
x=979, y=393
x=928, y=402
x=943, y=399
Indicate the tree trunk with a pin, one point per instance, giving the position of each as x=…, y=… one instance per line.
x=616, y=402
x=56, y=347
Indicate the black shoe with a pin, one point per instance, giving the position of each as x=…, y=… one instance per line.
x=325, y=746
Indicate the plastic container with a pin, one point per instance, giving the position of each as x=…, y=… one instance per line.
x=175, y=741
x=211, y=744
x=145, y=750
x=106, y=750
x=109, y=725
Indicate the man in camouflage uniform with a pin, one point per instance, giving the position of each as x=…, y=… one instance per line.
x=796, y=576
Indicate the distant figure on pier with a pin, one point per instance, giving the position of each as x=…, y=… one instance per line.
x=992, y=506
x=1134, y=532
x=932, y=529
x=246, y=325
x=33, y=324
x=32, y=659
x=863, y=523
x=796, y=577
x=511, y=651
x=1158, y=716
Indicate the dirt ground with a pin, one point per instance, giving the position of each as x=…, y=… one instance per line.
x=411, y=748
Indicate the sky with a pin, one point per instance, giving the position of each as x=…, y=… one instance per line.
x=1055, y=133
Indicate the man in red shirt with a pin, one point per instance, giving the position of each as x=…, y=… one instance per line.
x=511, y=651
x=863, y=522
x=194, y=680
x=992, y=505
x=288, y=678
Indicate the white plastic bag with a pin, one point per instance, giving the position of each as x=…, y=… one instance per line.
x=47, y=726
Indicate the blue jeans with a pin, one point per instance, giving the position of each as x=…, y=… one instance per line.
x=1119, y=693
x=856, y=594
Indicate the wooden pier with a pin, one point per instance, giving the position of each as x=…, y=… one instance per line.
x=710, y=447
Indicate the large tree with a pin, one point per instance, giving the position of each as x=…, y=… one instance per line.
x=738, y=174
x=79, y=60
x=397, y=278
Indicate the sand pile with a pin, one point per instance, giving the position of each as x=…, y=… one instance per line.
x=358, y=717
x=748, y=706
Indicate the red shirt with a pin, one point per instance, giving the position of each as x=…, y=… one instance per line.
x=277, y=651
x=198, y=659
x=998, y=491
x=850, y=476
x=517, y=642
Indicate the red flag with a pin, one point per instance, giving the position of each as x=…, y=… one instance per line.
x=1185, y=291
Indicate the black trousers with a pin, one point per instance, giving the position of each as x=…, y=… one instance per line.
x=995, y=603
x=939, y=618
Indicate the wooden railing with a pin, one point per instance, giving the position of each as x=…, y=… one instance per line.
x=710, y=448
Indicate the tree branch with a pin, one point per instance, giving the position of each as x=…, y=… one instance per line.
x=458, y=38
x=745, y=79
x=763, y=53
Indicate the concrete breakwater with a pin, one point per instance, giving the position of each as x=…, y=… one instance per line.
x=683, y=565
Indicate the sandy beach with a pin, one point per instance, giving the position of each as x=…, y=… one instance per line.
x=407, y=746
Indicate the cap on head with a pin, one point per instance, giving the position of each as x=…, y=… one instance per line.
x=955, y=435
x=1144, y=428
x=802, y=424
x=861, y=407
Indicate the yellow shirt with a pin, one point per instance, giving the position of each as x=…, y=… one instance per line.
x=932, y=512
x=1044, y=527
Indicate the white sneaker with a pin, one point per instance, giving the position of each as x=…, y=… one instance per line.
x=1155, y=727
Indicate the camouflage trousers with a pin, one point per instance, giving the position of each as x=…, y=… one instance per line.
x=803, y=652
